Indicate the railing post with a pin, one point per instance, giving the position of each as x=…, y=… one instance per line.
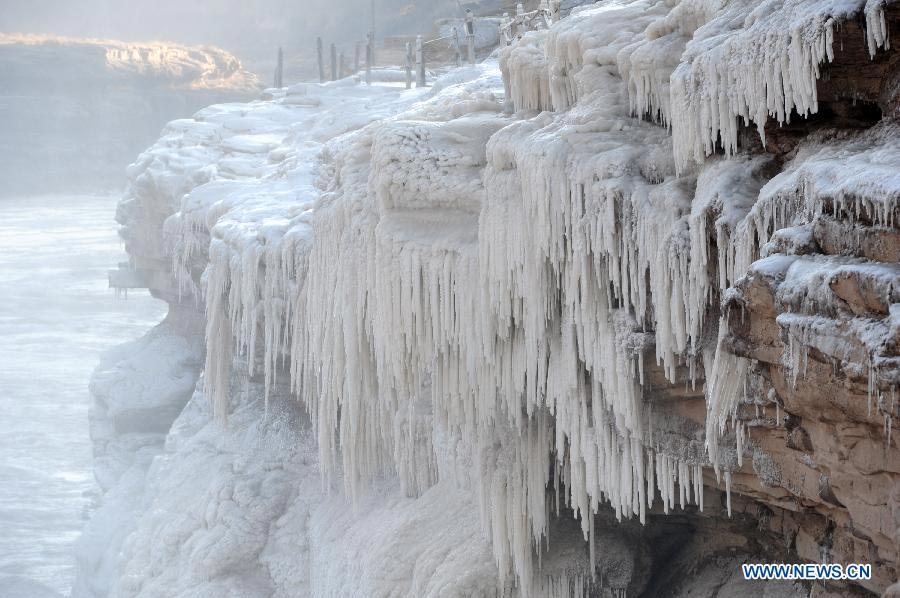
x=321, y=60
x=409, y=65
x=279, y=69
x=470, y=35
x=420, y=62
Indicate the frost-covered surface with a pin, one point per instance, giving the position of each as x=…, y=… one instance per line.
x=272, y=536
x=468, y=300
x=241, y=512
x=138, y=391
x=754, y=61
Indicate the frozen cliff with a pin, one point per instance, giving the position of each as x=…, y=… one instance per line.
x=76, y=111
x=608, y=315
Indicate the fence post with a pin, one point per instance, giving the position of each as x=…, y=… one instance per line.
x=321, y=60
x=356, y=53
x=334, y=73
x=420, y=62
x=342, y=66
x=279, y=69
x=409, y=65
x=456, y=47
x=470, y=35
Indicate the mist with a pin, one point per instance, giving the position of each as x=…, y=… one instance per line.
x=75, y=120
x=251, y=29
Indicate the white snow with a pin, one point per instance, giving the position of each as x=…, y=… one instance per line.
x=138, y=390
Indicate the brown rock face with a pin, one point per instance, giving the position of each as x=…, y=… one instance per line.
x=831, y=460
x=819, y=318
x=825, y=355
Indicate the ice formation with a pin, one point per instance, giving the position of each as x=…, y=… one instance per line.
x=462, y=291
x=754, y=62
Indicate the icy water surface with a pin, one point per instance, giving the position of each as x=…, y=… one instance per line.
x=56, y=317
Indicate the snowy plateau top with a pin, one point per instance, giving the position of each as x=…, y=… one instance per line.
x=81, y=60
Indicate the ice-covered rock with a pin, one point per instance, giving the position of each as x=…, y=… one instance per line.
x=515, y=323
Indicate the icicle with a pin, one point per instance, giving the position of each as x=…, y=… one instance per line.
x=728, y=491
x=870, y=386
x=725, y=380
x=698, y=486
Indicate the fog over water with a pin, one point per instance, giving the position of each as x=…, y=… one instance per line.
x=57, y=315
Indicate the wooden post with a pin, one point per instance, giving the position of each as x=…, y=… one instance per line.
x=334, y=72
x=279, y=69
x=420, y=62
x=470, y=35
x=321, y=60
x=409, y=65
x=356, y=54
x=342, y=66
x=457, y=48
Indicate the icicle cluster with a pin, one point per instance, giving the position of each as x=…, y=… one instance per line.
x=525, y=78
x=754, y=63
x=466, y=296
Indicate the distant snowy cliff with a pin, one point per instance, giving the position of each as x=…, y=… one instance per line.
x=607, y=320
x=76, y=111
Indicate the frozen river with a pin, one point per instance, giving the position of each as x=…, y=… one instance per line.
x=56, y=317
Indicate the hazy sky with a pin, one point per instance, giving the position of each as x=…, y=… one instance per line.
x=250, y=28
